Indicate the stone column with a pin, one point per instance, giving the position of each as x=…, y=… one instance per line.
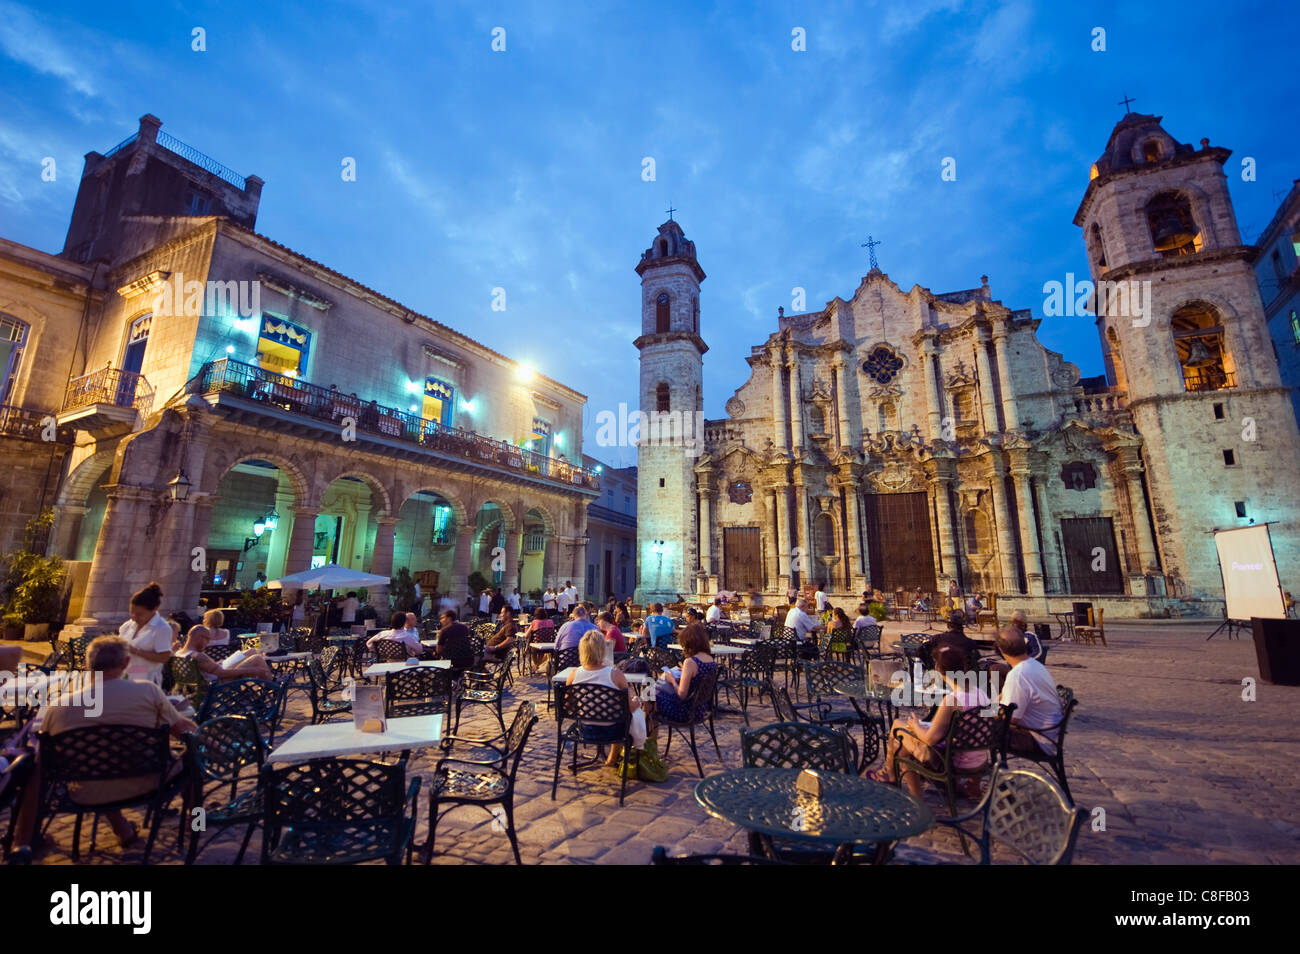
x=302, y=538
x=1002, y=514
x=808, y=571
x=510, y=574
x=845, y=439
x=548, y=560
x=458, y=585
x=67, y=528
x=782, y=495
x=381, y=564
x=705, y=496
x=988, y=396
x=121, y=541
x=934, y=413
x=1051, y=561
x=947, y=541
x=796, y=403
x=193, y=584
x=778, y=400
x=857, y=568
x=1000, y=346
x=1131, y=461
x=279, y=550
x=773, y=573
x=1028, y=538
x=174, y=543
x=356, y=553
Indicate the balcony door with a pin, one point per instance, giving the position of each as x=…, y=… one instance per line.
x=282, y=347
x=137, y=340
x=13, y=337
x=439, y=400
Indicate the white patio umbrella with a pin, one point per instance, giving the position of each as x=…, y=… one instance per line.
x=331, y=576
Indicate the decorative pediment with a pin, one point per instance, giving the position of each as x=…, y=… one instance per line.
x=885, y=392
x=144, y=285
x=896, y=477
x=819, y=392
x=961, y=376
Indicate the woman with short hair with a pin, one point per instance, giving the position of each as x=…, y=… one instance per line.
x=593, y=671
x=212, y=622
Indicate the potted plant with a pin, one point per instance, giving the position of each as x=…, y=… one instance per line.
x=261, y=605
x=34, y=582
x=11, y=626
x=401, y=589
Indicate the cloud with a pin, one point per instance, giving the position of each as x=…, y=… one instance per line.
x=25, y=40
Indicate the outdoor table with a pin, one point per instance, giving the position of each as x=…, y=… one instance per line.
x=882, y=696
x=542, y=647
x=635, y=678
x=716, y=649
x=386, y=668
x=746, y=641
x=331, y=739
x=1066, y=622
x=852, y=810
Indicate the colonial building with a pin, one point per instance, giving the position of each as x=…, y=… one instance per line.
x=227, y=408
x=611, y=532
x=1277, y=270
x=906, y=438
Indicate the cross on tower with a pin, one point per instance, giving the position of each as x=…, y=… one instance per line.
x=870, y=245
x=671, y=210
x=1124, y=102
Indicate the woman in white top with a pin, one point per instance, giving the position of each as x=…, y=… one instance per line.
x=148, y=636
x=593, y=671
x=212, y=621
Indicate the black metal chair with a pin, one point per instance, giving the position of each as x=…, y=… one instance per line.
x=968, y=731
x=1027, y=813
x=839, y=644
x=338, y=812
x=390, y=650
x=1054, y=736
x=483, y=782
x=188, y=680
x=318, y=691
x=596, y=715
x=17, y=777
x=485, y=689
x=822, y=678
x=106, y=753
x=910, y=645
x=785, y=643
x=750, y=674
x=220, y=752
x=418, y=691
x=795, y=745
x=219, y=653
x=866, y=644
x=261, y=699
x=815, y=713
x=559, y=661
x=73, y=651
x=700, y=702
x=663, y=658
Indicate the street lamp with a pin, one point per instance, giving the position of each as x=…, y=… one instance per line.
x=179, y=486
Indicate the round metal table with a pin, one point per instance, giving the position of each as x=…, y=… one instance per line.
x=851, y=811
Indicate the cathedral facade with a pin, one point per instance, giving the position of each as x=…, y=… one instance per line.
x=902, y=438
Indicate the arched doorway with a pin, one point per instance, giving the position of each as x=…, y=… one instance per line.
x=346, y=523
x=532, y=562
x=425, y=539
x=248, y=536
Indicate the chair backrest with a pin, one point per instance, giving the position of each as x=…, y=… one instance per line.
x=969, y=731
x=566, y=658
x=868, y=635
x=417, y=686
x=703, y=693
x=795, y=745
x=517, y=737
x=325, y=794
x=758, y=661
x=188, y=679
x=1030, y=814
x=825, y=675
x=102, y=753
x=1068, y=702
x=218, y=653
x=258, y=698
x=602, y=712
x=223, y=747
x=781, y=704
x=390, y=650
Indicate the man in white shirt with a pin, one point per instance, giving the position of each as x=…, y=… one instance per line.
x=350, y=607
x=864, y=617
x=513, y=600
x=715, y=611
x=485, y=600
x=820, y=596
x=563, y=600
x=550, y=600
x=571, y=591
x=799, y=620
x=1033, y=691
x=401, y=632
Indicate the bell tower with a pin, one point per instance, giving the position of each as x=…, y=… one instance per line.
x=671, y=434
x=1183, y=332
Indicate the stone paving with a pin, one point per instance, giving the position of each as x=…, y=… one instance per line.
x=1187, y=772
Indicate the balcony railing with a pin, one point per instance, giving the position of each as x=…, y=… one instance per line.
x=186, y=151
x=1208, y=379
x=109, y=386
x=28, y=423
x=297, y=396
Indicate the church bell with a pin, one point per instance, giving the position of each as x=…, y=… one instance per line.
x=1198, y=356
x=1170, y=232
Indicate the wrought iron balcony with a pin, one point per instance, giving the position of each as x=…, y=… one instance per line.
x=105, y=400
x=303, y=399
x=30, y=424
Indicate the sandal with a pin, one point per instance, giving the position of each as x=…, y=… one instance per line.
x=878, y=775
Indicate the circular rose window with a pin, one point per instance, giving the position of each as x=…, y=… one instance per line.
x=882, y=365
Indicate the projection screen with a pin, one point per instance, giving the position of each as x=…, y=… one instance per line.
x=1250, y=580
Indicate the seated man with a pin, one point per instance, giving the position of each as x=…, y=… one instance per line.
x=716, y=612
x=454, y=642
x=570, y=634
x=234, y=666
x=955, y=635
x=658, y=628
x=1033, y=691
x=114, y=701
x=402, y=631
x=799, y=620
x=1032, y=642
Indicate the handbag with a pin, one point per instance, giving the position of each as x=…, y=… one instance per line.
x=650, y=767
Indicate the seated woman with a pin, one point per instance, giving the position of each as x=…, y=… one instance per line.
x=605, y=622
x=622, y=618
x=213, y=620
x=672, y=694
x=500, y=642
x=926, y=738
x=253, y=666
x=540, y=630
x=593, y=671
x=841, y=641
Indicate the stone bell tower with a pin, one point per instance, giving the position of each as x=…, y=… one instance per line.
x=1183, y=331
x=671, y=435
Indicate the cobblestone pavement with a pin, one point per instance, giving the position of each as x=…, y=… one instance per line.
x=1187, y=772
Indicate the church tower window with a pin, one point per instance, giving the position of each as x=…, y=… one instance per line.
x=661, y=313
x=1198, y=340
x=1173, y=229
x=662, y=396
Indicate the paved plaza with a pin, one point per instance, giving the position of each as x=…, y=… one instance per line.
x=1187, y=772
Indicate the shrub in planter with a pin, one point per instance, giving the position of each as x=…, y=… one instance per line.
x=877, y=611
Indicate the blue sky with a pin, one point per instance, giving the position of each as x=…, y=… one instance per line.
x=522, y=169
